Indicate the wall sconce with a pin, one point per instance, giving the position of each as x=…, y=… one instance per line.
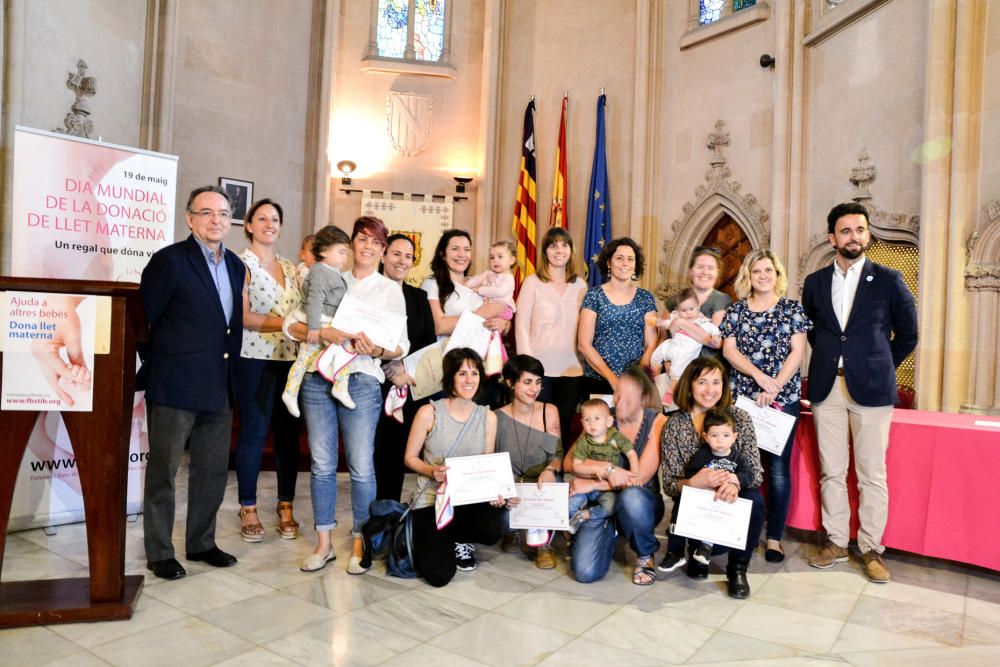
x=461, y=181
x=346, y=167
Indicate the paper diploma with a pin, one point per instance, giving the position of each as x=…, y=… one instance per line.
x=424, y=366
x=469, y=332
x=701, y=517
x=478, y=479
x=382, y=327
x=546, y=507
x=772, y=427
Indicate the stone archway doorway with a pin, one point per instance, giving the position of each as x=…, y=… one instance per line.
x=733, y=245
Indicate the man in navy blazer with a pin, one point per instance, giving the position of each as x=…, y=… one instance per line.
x=192, y=296
x=865, y=325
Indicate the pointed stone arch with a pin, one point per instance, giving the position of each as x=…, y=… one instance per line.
x=887, y=226
x=982, y=279
x=719, y=195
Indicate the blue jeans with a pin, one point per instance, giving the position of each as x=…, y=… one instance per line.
x=326, y=419
x=261, y=382
x=637, y=511
x=592, y=502
x=779, y=480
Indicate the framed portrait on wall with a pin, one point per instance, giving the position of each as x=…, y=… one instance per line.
x=240, y=193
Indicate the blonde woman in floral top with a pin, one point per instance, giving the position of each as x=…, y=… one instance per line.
x=764, y=338
x=704, y=386
x=271, y=293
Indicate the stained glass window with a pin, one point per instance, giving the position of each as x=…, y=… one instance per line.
x=391, y=33
x=710, y=11
x=427, y=40
x=428, y=29
x=743, y=4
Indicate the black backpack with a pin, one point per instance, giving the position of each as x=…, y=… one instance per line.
x=390, y=524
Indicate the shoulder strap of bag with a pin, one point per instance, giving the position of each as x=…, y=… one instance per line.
x=426, y=481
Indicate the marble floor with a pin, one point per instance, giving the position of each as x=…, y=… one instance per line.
x=265, y=611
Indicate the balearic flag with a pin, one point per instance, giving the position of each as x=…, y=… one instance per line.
x=598, y=202
x=559, y=215
x=524, y=206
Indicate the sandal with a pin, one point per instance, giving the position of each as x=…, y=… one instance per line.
x=288, y=530
x=644, y=573
x=251, y=529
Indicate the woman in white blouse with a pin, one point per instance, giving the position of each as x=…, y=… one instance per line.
x=446, y=290
x=548, y=308
x=271, y=293
x=328, y=422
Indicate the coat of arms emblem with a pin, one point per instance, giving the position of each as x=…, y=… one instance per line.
x=408, y=121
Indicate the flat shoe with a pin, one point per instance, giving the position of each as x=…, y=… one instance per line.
x=315, y=562
x=354, y=566
x=774, y=556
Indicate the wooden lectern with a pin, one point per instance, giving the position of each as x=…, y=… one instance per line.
x=101, y=443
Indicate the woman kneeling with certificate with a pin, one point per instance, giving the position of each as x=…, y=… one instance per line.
x=702, y=387
x=451, y=427
x=529, y=430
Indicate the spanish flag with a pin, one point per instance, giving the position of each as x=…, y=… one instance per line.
x=559, y=217
x=524, y=206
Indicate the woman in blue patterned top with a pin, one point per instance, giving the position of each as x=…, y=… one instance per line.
x=612, y=333
x=764, y=338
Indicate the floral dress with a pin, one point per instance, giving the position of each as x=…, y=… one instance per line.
x=765, y=338
x=619, y=330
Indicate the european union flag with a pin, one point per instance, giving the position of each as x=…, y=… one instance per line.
x=598, y=202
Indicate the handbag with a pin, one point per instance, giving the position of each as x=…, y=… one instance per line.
x=494, y=358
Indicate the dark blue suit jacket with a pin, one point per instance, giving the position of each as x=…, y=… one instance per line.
x=192, y=351
x=881, y=331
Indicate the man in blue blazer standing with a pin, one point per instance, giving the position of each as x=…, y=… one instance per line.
x=192, y=297
x=865, y=324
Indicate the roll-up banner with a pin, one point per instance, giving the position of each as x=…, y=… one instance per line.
x=82, y=210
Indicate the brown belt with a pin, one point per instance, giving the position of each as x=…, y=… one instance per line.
x=840, y=371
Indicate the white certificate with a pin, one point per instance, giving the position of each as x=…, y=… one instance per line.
x=546, y=507
x=477, y=479
x=772, y=427
x=701, y=517
x=469, y=332
x=383, y=328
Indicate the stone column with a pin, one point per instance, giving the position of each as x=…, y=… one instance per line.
x=488, y=218
x=787, y=206
x=316, y=202
x=950, y=189
x=642, y=214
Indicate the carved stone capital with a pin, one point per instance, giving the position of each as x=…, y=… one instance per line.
x=983, y=269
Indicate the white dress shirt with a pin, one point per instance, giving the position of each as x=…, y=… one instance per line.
x=843, y=287
x=377, y=290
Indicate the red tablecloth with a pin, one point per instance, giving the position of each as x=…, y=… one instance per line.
x=943, y=473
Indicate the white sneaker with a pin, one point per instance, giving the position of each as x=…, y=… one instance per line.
x=291, y=402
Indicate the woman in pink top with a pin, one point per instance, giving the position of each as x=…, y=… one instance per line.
x=548, y=307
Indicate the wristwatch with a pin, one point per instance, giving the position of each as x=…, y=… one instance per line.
x=607, y=473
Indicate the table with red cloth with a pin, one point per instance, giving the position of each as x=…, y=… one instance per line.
x=943, y=475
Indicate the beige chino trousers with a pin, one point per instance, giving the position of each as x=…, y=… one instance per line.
x=837, y=417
